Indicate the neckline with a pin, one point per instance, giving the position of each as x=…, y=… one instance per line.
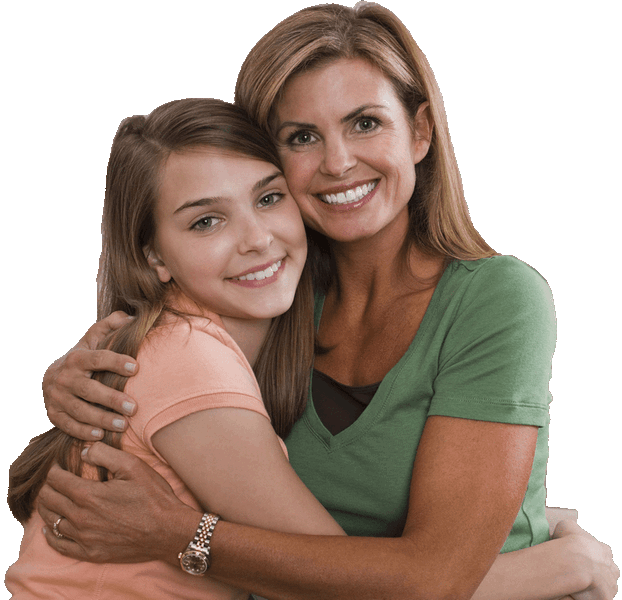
x=369, y=415
x=352, y=388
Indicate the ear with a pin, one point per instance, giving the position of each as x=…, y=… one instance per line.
x=157, y=264
x=422, y=132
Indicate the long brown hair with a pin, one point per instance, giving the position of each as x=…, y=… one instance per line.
x=439, y=218
x=127, y=282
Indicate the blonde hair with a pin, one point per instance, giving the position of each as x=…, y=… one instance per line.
x=439, y=218
x=127, y=282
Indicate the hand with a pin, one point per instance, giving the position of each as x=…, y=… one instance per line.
x=67, y=383
x=594, y=559
x=134, y=517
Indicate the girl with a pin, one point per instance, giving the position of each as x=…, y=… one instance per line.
x=204, y=246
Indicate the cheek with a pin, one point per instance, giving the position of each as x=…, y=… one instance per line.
x=298, y=169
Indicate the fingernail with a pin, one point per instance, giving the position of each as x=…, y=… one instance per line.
x=84, y=452
x=131, y=367
x=128, y=408
x=118, y=424
x=45, y=530
x=130, y=317
x=97, y=433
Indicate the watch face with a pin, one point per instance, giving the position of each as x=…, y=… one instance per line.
x=194, y=562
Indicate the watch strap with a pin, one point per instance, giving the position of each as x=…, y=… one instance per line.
x=201, y=544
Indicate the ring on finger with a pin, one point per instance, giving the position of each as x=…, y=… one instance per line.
x=57, y=533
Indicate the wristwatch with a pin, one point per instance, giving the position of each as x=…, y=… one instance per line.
x=195, y=559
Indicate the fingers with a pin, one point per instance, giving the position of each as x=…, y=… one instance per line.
x=62, y=491
x=68, y=382
x=97, y=332
x=567, y=527
x=64, y=545
x=121, y=465
x=89, y=361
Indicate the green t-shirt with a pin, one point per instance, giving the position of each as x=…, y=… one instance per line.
x=483, y=351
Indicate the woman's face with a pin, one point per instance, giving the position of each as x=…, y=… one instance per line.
x=228, y=233
x=349, y=149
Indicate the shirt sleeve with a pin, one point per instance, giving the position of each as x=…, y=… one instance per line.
x=495, y=364
x=185, y=369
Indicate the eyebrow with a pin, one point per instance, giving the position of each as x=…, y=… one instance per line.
x=262, y=183
x=351, y=115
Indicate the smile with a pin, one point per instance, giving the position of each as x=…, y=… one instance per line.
x=260, y=275
x=349, y=196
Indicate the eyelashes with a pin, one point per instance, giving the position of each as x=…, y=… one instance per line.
x=210, y=222
x=361, y=125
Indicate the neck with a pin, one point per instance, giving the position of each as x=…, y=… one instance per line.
x=380, y=268
x=248, y=334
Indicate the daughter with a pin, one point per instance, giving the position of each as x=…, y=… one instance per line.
x=204, y=245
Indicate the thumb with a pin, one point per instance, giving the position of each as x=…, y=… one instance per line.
x=98, y=332
x=120, y=464
x=124, y=466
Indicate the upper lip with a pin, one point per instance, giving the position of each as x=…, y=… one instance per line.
x=345, y=187
x=262, y=267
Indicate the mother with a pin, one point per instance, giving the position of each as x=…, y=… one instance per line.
x=428, y=425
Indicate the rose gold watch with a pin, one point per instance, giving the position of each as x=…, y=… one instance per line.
x=195, y=559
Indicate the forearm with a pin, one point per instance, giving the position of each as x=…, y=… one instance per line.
x=292, y=566
x=541, y=572
x=277, y=565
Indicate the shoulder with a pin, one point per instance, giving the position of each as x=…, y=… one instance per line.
x=502, y=280
x=192, y=354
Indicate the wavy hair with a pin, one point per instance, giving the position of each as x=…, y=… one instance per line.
x=126, y=281
x=439, y=218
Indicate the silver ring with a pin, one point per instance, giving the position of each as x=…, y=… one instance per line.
x=57, y=533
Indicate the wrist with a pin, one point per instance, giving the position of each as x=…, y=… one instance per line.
x=196, y=558
x=580, y=567
x=180, y=531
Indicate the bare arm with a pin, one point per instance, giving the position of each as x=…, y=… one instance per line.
x=136, y=517
x=447, y=546
x=468, y=481
x=231, y=460
x=67, y=384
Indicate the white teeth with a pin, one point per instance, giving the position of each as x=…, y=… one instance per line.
x=260, y=275
x=353, y=195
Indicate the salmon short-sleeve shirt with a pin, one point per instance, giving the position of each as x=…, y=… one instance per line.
x=186, y=365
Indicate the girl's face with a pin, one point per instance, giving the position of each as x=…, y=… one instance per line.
x=229, y=233
x=349, y=149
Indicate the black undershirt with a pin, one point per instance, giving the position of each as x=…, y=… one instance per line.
x=338, y=405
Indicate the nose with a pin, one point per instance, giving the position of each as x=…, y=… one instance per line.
x=338, y=157
x=256, y=235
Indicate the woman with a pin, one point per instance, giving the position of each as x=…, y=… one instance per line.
x=350, y=124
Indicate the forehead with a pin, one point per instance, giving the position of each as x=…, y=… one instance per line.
x=343, y=82
x=204, y=172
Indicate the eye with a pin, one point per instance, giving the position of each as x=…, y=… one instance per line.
x=270, y=199
x=365, y=124
x=205, y=223
x=301, y=138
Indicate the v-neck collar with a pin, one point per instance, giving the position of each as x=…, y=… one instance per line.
x=369, y=416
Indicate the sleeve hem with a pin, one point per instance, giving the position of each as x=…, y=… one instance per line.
x=496, y=411
x=196, y=404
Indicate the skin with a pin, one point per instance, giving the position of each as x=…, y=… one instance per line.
x=378, y=143
x=446, y=548
x=219, y=217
